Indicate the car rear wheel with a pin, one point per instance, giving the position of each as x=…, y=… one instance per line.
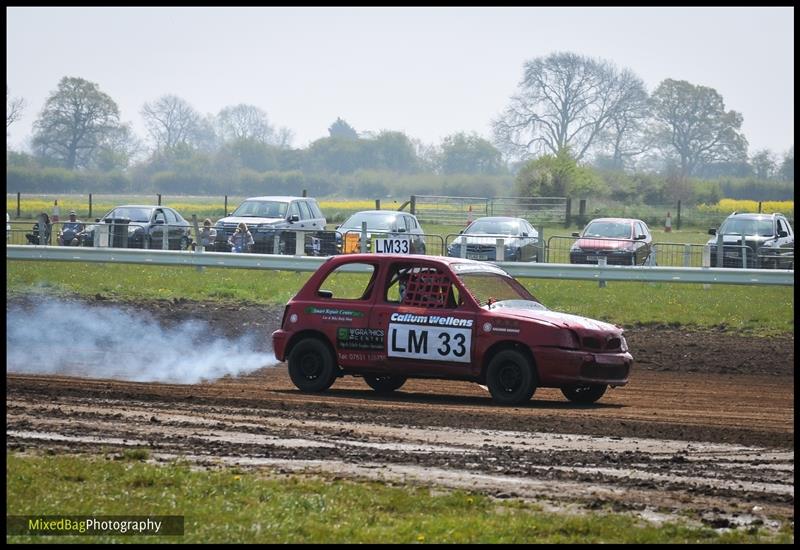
x=385, y=383
x=311, y=365
x=510, y=378
x=584, y=393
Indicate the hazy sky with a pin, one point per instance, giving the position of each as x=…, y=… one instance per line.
x=428, y=72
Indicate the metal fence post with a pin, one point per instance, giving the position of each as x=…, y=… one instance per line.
x=413, y=204
x=225, y=213
x=299, y=243
x=159, y=198
x=720, y=249
x=90, y=205
x=568, y=218
x=678, y=217
x=363, y=237
x=744, y=252
x=165, y=236
x=540, y=253
x=602, y=263
x=377, y=204
x=581, y=212
x=500, y=250
x=18, y=205
x=687, y=253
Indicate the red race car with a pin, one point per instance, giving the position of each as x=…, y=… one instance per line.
x=392, y=317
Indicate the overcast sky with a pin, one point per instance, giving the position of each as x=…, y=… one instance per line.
x=428, y=72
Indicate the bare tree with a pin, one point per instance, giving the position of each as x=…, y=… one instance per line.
x=693, y=123
x=75, y=121
x=244, y=122
x=626, y=135
x=172, y=121
x=565, y=100
x=14, y=109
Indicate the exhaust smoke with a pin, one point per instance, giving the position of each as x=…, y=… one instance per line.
x=78, y=339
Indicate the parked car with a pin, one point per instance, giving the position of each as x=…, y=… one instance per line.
x=140, y=226
x=268, y=217
x=520, y=240
x=397, y=231
x=446, y=318
x=622, y=241
x=769, y=239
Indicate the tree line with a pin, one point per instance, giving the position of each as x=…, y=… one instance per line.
x=574, y=125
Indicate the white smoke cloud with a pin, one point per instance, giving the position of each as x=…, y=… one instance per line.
x=76, y=339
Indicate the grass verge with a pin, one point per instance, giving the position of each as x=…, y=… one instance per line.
x=759, y=310
x=230, y=505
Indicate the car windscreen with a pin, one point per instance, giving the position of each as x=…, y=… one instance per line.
x=739, y=226
x=487, y=287
x=612, y=230
x=377, y=222
x=493, y=227
x=133, y=213
x=262, y=209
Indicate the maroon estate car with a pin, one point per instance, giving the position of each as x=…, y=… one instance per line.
x=446, y=318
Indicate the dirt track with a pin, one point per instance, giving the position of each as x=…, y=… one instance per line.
x=694, y=430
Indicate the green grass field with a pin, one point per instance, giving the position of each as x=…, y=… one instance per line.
x=230, y=505
x=759, y=310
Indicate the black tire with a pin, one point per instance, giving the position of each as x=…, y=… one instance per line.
x=312, y=367
x=510, y=378
x=385, y=383
x=584, y=393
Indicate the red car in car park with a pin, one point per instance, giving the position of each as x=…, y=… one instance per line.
x=405, y=317
x=621, y=241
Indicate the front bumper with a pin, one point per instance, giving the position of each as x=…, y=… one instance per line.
x=585, y=257
x=558, y=367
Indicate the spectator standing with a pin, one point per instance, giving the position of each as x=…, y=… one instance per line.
x=207, y=235
x=41, y=230
x=242, y=239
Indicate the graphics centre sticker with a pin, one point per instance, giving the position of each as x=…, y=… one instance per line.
x=360, y=338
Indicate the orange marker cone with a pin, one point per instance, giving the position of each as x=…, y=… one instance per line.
x=668, y=224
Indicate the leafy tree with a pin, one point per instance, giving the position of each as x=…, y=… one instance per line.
x=786, y=171
x=764, y=165
x=392, y=151
x=556, y=176
x=76, y=120
x=341, y=129
x=469, y=154
x=564, y=100
x=693, y=123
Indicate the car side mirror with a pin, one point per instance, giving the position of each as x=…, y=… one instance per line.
x=294, y=218
x=524, y=234
x=461, y=232
x=159, y=222
x=97, y=220
x=325, y=293
x=576, y=234
x=783, y=234
x=641, y=237
x=712, y=231
x=401, y=230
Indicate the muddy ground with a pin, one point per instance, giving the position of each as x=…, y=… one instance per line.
x=704, y=429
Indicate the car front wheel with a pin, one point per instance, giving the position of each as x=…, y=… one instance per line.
x=385, y=383
x=584, y=393
x=510, y=378
x=311, y=366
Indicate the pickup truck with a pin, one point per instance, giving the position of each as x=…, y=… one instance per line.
x=391, y=317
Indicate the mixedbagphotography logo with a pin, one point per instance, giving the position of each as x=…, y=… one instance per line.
x=94, y=525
